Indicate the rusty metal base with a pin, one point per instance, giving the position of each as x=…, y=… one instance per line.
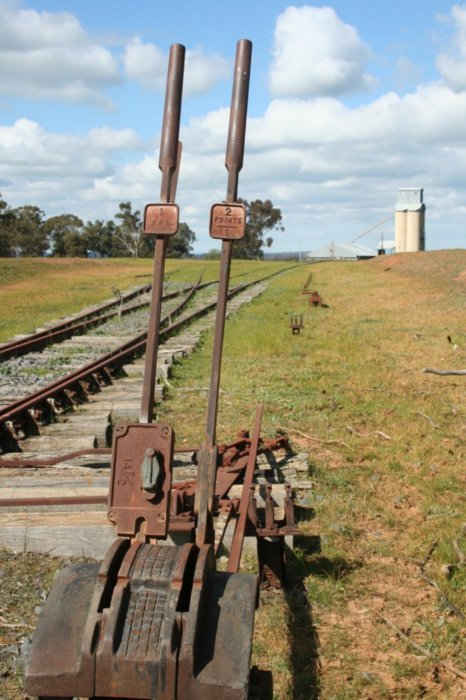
x=151, y=622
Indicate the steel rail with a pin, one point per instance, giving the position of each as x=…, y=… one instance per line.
x=86, y=320
x=57, y=334
x=122, y=352
x=22, y=411
x=100, y=369
x=20, y=463
x=45, y=462
x=14, y=347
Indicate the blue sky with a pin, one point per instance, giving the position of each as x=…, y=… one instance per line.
x=349, y=101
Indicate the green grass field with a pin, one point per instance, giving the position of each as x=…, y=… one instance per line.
x=375, y=602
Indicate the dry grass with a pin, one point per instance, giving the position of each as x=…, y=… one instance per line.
x=76, y=283
x=387, y=456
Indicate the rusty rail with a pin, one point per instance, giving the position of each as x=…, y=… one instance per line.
x=78, y=324
x=38, y=408
x=76, y=386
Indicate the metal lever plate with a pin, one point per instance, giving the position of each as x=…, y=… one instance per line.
x=132, y=506
x=227, y=221
x=161, y=219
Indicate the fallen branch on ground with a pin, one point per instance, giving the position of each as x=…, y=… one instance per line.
x=314, y=439
x=456, y=546
x=442, y=597
x=9, y=625
x=384, y=435
x=444, y=371
x=375, y=432
x=440, y=594
x=449, y=569
x=422, y=650
x=423, y=563
x=423, y=415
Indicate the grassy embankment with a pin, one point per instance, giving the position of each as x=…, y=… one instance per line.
x=387, y=458
x=36, y=290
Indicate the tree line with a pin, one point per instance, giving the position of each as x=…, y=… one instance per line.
x=25, y=232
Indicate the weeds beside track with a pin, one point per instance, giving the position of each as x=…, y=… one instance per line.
x=387, y=455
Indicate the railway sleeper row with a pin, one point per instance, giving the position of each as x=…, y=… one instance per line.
x=85, y=476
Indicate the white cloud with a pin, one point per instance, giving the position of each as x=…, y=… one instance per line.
x=49, y=56
x=147, y=64
x=332, y=167
x=207, y=134
x=104, y=138
x=452, y=64
x=203, y=72
x=315, y=53
x=431, y=115
x=336, y=168
x=54, y=170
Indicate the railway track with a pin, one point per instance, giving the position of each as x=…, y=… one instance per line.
x=81, y=322
x=53, y=490
x=46, y=385
x=34, y=391
x=31, y=363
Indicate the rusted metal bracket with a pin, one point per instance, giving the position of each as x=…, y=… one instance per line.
x=315, y=299
x=140, y=485
x=296, y=323
x=240, y=529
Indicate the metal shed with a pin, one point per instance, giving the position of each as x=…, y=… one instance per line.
x=342, y=251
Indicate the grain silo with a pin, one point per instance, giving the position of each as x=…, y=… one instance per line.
x=410, y=220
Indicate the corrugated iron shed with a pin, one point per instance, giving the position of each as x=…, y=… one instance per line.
x=342, y=251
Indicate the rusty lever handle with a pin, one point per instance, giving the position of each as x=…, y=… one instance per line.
x=170, y=152
x=207, y=465
x=169, y=146
x=238, y=114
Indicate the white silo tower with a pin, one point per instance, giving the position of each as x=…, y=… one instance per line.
x=410, y=220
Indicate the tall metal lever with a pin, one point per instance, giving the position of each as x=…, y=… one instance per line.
x=162, y=219
x=227, y=222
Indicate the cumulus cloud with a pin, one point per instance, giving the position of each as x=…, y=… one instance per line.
x=203, y=72
x=147, y=64
x=49, y=56
x=54, y=170
x=332, y=167
x=431, y=115
x=315, y=53
x=452, y=64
